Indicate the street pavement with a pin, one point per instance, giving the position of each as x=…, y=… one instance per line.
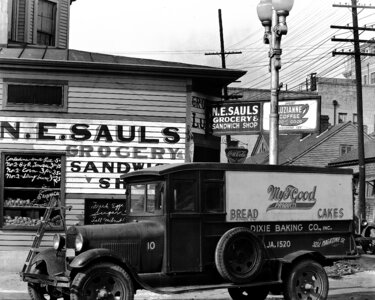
x=358, y=286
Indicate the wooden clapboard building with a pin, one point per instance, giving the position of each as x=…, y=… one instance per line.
x=71, y=122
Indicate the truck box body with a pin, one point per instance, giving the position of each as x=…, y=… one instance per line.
x=248, y=228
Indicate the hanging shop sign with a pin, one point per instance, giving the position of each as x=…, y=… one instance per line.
x=235, y=118
x=294, y=116
x=236, y=155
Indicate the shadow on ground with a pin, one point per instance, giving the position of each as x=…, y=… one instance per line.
x=353, y=296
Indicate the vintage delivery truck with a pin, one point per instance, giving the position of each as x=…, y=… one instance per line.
x=252, y=229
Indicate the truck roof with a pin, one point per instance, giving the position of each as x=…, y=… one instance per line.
x=162, y=170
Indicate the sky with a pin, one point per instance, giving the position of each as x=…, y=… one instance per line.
x=183, y=31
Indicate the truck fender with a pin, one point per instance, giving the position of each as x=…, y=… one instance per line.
x=54, y=263
x=85, y=258
x=291, y=257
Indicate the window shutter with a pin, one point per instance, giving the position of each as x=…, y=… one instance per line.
x=19, y=21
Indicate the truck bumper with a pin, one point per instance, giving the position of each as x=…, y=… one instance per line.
x=56, y=281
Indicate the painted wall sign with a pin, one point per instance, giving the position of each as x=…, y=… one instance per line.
x=236, y=118
x=294, y=116
x=280, y=196
x=199, y=103
x=97, y=151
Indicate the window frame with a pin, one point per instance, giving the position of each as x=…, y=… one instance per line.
x=35, y=107
x=146, y=211
x=221, y=201
x=355, y=118
x=345, y=148
x=190, y=181
x=372, y=78
x=61, y=188
x=55, y=23
x=344, y=115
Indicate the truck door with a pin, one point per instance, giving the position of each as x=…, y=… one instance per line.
x=184, y=225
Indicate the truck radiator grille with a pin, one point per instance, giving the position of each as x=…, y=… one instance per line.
x=128, y=251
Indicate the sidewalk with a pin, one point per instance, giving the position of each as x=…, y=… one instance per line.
x=359, y=286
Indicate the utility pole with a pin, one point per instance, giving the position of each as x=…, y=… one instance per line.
x=222, y=53
x=358, y=74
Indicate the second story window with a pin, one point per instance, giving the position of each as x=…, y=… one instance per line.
x=35, y=95
x=355, y=118
x=343, y=117
x=372, y=78
x=46, y=26
x=345, y=149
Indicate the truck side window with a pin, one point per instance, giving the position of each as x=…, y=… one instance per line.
x=184, y=195
x=146, y=198
x=213, y=196
x=137, y=198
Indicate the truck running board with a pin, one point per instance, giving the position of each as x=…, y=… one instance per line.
x=195, y=288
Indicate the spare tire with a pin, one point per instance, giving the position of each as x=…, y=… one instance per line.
x=239, y=255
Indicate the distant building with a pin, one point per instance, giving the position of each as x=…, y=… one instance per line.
x=350, y=160
x=315, y=149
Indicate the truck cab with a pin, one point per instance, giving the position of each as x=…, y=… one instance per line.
x=248, y=228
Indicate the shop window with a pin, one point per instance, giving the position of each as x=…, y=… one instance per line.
x=35, y=95
x=29, y=182
x=46, y=26
x=343, y=117
x=345, y=149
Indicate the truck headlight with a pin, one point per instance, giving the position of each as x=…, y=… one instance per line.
x=78, y=242
x=58, y=241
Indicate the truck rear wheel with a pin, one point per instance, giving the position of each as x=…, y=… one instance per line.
x=254, y=293
x=102, y=281
x=239, y=255
x=306, y=281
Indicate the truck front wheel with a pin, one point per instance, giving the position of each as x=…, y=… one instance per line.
x=307, y=280
x=102, y=281
x=254, y=293
x=39, y=292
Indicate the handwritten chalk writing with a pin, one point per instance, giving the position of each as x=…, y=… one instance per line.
x=32, y=170
x=103, y=211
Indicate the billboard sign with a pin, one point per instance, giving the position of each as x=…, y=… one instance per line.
x=236, y=118
x=294, y=115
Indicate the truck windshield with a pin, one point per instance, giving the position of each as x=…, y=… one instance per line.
x=146, y=198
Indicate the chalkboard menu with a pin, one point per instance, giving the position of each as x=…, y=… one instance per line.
x=32, y=171
x=105, y=211
x=29, y=183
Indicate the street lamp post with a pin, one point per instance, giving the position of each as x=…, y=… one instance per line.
x=272, y=14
